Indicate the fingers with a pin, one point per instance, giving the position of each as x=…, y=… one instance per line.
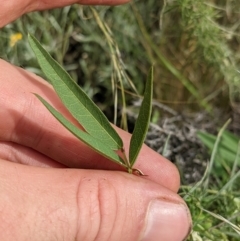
x=12, y=9
x=56, y=204
x=31, y=125
x=21, y=154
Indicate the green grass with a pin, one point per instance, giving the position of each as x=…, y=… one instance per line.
x=215, y=200
x=194, y=46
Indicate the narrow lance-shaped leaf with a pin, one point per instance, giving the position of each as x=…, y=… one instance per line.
x=95, y=144
x=142, y=122
x=75, y=99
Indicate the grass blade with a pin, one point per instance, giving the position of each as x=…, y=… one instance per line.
x=142, y=122
x=227, y=147
x=95, y=144
x=75, y=99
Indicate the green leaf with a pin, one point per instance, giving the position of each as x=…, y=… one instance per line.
x=227, y=147
x=95, y=144
x=142, y=122
x=75, y=99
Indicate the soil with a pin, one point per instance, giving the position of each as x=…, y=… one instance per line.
x=175, y=137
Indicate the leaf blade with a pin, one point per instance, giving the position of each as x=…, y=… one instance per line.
x=75, y=99
x=142, y=122
x=227, y=147
x=95, y=144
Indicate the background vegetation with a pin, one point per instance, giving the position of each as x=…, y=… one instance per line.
x=194, y=46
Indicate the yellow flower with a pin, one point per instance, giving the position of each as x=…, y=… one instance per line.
x=14, y=38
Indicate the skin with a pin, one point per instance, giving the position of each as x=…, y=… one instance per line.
x=54, y=187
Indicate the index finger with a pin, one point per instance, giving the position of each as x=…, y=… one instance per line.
x=27, y=122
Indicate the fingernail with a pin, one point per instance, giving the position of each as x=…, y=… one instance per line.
x=166, y=221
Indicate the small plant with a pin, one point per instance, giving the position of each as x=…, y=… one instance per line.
x=98, y=133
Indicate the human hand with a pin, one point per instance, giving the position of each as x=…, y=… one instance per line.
x=45, y=200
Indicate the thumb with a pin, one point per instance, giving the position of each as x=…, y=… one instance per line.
x=69, y=204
